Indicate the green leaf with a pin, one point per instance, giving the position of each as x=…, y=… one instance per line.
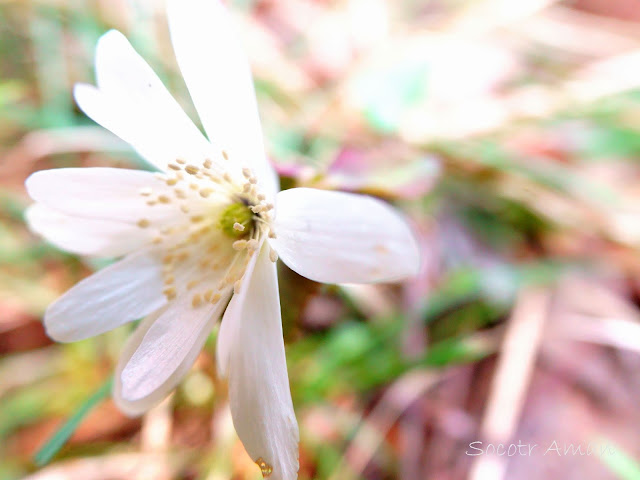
x=55, y=443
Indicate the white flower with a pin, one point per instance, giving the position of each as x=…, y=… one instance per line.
x=199, y=240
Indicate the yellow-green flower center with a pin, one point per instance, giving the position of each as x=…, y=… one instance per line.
x=236, y=220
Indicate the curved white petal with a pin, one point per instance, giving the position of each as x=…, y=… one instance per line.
x=167, y=346
x=132, y=102
x=122, y=292
x=138, y=407
x=259, y=393
x=218, y=76
x=337, y=237
x=229, y=329
x=111, y=194
x=84, y=236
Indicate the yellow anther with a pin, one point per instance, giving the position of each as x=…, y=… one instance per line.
x=197, y=218
x=215, y=298
x=208, y=295
x=173, y=166
x=184, y=208
x=151, y=203
x=191, y=169
x=164, y=199
x=246, y=172
x=225, y=155
x=192, y=284
x=172, y=181
x=170, y=293
x=205, y=192
x=143, y=223
x=239, y=245
x=196, y=301
x=238, y=226
x=181, y=161
x=207, y=163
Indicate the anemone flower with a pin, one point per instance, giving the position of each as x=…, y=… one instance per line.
x=199, y=239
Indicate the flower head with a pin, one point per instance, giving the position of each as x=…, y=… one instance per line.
x=199, y=240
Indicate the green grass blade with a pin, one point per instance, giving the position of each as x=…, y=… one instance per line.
x=55, y=443
x=620, y=462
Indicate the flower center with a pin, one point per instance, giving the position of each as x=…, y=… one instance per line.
x=208, y=219
x=236, y=220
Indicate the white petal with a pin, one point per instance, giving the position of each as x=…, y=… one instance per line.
x=84, y=236
x=229, y=329
x=100, y=193
x=259, y=393
x=134, y=104
x=138, y=407
x=166, y=347
x=218, y=76
x=125, y=291
x=337, y=237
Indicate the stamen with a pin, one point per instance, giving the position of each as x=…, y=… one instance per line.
x=196, y=301
x=252, y=245
x=170, y=293
x=239, y=245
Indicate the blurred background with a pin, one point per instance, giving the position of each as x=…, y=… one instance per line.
x=507, y=131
